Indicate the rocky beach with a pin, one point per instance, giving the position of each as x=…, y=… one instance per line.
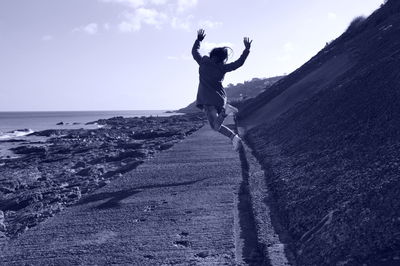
x=53, y=169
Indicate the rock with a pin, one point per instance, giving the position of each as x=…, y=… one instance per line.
x=75, y=193
x=165, y=146
x=60, y=123
x=2, y=225
x=85, y=172
x=182, y=243
x=20, y=130
x=43, y=178
x=124, y=169
x=52, y=196
x=103, y=183
x=203, y=254
x=130, y=154
x=150, y=134
x=29, y=150
x=21, y=201
x=9, y=186
x=6, y=190
x=61, y=149
x=45, y=133
x=24, y=221
x=12, y=140
x=80, y=164
x=141, y=153
x=130, y=145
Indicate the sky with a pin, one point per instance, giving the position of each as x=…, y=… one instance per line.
x=64, y=55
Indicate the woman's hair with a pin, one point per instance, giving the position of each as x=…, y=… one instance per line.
x=220, y=54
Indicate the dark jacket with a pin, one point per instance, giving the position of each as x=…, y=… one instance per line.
x=211, y=75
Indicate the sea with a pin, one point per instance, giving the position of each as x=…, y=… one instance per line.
x=19, y=124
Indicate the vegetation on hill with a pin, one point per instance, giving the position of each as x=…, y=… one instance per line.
x=332, y=160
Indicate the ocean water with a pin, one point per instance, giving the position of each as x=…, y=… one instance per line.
x=19, y=124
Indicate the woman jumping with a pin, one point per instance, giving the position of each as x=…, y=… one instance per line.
x=211, y=96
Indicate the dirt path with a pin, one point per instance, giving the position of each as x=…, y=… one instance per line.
x=188, y=206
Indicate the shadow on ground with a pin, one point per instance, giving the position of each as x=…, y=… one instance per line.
x=253, y=250
x=115, y=197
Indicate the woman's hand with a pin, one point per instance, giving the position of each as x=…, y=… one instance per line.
x=247, y=42
x=200, y=35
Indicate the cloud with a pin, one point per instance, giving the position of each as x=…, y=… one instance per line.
x=184, y=24
x=156, y=13
x=178, y=5
x=47, y=38
x=158, y=2
x=332, y=15
x=136, y=3
x=91, y=29
x=106, y=26
x=134, y=21
x=209, y=24
x=131, y=3
x=183, y=5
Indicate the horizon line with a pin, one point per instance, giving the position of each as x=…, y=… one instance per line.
x=42, y=111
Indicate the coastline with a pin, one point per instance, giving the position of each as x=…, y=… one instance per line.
x=19, y=124
x=55, y=172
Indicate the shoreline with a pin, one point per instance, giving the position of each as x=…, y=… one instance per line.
x=53, y=174
x=18, y=124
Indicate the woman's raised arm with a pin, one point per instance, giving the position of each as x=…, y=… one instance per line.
x=238, y=63
x=196, y=46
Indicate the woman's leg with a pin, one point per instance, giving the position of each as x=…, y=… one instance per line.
x=226, y=132
x=216, y=120
x=212, y=114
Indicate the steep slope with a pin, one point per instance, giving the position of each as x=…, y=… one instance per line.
x=328, y=136
x=240, y=91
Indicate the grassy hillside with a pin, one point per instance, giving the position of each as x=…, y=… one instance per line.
x=328, y=136
x=240, y=91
